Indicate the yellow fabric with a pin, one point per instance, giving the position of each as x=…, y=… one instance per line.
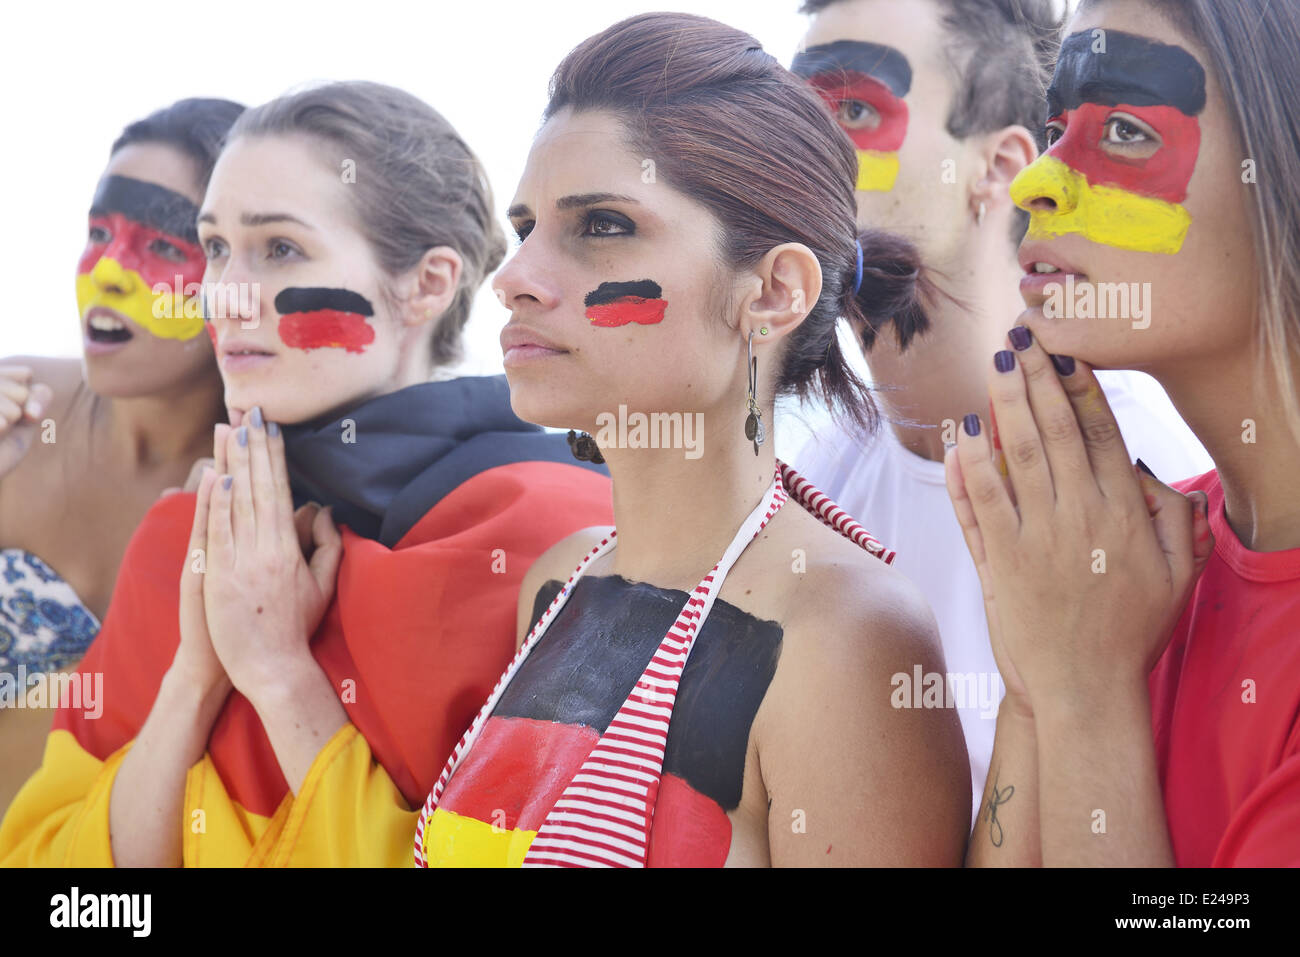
x=348, y=813
x=451, y=840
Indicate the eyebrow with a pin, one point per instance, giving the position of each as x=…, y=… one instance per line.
x=258, y=219
x=575, y=201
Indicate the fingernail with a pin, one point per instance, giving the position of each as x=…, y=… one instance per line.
x=1143, y=466
x=1005, y=361
x=34, y=409
x=971, y=424
x=256, y=417
x=1020, y=338
x=227, y=481
x=272, y=429
x=1064, y=365
x=242, y=436
x=1203, y=504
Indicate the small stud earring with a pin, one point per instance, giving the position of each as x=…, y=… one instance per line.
x=762, y=331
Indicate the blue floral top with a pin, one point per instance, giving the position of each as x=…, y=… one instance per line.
x=43, y=624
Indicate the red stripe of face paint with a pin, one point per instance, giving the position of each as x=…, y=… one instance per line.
x=1164, y=175
x=837, y=88
x=212, y=333
x=130, y=246
x=627, y=309
x=326, y=328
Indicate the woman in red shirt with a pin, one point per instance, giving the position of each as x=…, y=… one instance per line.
x=1147, y=637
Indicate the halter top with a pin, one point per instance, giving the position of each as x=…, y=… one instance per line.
x=604, y=816
x=44, y=626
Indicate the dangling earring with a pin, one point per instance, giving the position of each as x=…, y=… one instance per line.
x=979, y=214
x=754, y=421
x=584, y=448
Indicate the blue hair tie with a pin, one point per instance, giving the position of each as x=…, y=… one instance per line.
x=857, y=276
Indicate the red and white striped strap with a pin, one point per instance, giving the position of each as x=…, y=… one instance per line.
x=820, y=505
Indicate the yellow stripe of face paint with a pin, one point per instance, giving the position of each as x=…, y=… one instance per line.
x=1104, y=214
x=451, y=840
x=163, y=315
x=877, y=170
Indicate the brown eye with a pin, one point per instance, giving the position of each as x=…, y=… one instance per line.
x=98, y=234
x=1054, y=134
x=1129, y=137
x=857, y=115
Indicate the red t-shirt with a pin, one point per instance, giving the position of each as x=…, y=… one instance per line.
x=1225, y=706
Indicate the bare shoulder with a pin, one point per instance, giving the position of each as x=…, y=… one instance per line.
x=853, y=607
x=556, y=563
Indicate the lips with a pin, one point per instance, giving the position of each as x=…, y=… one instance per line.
x=104, y=325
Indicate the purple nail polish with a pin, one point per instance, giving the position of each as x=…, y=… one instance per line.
x=272, y=429
x=256, y=417
x=971, y=424
x=241, y=436
x=227, y=481
x=1005, y=361
x=1064, y=365
x=1020, y=338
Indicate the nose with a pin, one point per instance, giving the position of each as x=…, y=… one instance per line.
x=110, y=275
x=231, y=292
x=526, y=281
x=1046, y=185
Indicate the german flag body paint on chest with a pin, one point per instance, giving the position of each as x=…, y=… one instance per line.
x=1107, y=178
x=562, y=700
x=613, y=304
x=864, y=85
x=142, y=236
x=315, y=318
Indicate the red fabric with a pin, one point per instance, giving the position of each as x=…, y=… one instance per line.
x=424, y=629
x=1230, y=768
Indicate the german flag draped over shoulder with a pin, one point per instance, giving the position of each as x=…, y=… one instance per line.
x=446, y=499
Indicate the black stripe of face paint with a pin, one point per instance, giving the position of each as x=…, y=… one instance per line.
x=316, y=299
x=147, y=203
x=856, y=56
x=611, y=291
x=1133, y=70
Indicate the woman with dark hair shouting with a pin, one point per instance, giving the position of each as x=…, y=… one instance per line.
x=717, y=689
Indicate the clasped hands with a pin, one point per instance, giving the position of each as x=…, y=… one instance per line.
x=258, y=575
x=1085, y=561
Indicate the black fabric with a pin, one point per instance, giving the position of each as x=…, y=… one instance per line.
x=411, y=448
x=596, y=649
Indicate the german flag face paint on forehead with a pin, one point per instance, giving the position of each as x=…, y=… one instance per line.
x=142, y=236
x=864, y=85
x=1123, y=141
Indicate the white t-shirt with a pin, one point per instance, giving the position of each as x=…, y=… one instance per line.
x=901, y=499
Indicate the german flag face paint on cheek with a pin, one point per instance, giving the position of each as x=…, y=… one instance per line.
x=315, y=318
x=613, y=304
x=864, y=85
x=1126, y=146
x=142, y=236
